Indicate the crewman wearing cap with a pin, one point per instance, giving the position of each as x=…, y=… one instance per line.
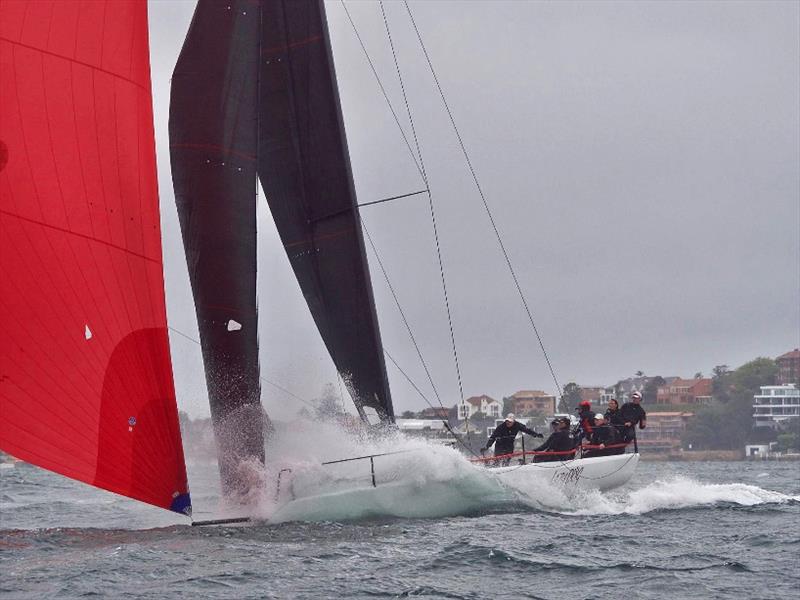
x=559, y=446
x=602, y=435
x=633, y=413
x=504, y=435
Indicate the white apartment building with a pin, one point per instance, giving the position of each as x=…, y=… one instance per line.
x=776, y=403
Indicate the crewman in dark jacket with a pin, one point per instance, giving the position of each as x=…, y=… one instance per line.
x=559, y=443
x=602, y=435
x=504, y=435
x=613, y=418
x=633, y=413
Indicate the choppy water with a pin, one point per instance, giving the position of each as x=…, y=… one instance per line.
x=677, y=530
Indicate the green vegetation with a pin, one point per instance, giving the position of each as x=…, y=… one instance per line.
x=570, y=398
x=727, y=423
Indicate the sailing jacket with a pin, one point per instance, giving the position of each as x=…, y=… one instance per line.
x=614, y=417
x=505, y=436
x=633, y=413
x=604, y=434
x=559, y=441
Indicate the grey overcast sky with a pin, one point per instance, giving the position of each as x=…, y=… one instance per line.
x=642, y=160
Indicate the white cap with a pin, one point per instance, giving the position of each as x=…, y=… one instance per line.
x=510, y=417
x=599, y=416
x=636, y=395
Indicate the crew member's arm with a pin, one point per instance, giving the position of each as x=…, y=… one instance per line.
x=643, y=420
x=490, y=441
x=531, y=432
x=544, y=446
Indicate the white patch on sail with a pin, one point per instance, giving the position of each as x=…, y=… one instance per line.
x=234, y=325
x=87, y=333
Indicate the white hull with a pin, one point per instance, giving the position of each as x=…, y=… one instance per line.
x=598, y=473
x=455, y=489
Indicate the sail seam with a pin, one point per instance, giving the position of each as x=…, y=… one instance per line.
x=80, y=235
x=77, y=62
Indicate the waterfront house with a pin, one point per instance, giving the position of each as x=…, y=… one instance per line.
x=776, y=403
x=526, y=402
x=685, y=391
x=594, y=394
x=484, y=404
x=664, y=430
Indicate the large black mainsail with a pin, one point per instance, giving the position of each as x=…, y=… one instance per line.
x=254, y=92
x=304, y=167
x=213, y=143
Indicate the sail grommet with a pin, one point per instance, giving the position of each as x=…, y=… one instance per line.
x=131, y=423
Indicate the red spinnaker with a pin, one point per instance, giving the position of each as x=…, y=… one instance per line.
x=86, y=385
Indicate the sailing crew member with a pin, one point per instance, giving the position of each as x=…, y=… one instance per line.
x=504, y=435
x=603, y=435
x=633, y=413
x=585, y=420
x=559, y=443
x=613, y=417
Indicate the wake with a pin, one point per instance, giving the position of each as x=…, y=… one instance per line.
x=674, y=494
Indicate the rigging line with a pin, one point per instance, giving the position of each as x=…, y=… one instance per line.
x=267, y=381
x=392, y=198
x=416, y=347
x=402, y=312
x=483, y=199
x=446, y=424
x=383, y=90
x=430, y=205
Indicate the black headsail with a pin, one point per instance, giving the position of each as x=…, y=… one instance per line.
x=213, y=144
x=304, y=167
x=254, y=92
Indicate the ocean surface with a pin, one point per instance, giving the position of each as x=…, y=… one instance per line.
x=676, y=530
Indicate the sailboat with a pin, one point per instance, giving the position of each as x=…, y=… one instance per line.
x=86, y=386
x=254, y=96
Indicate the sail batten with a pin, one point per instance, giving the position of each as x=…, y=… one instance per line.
x=86, y=386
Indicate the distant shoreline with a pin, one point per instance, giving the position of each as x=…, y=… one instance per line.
x=712, y=455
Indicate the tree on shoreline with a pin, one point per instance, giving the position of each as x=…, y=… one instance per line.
x=570, y=398
x=727, y=424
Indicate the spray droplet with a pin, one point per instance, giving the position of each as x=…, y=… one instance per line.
x=234, y=325
x=87, y=333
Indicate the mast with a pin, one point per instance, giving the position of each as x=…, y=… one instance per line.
x=304, y=167
x=213, y=129
x=86, y=387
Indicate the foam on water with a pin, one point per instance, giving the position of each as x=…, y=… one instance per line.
x=676, y=493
